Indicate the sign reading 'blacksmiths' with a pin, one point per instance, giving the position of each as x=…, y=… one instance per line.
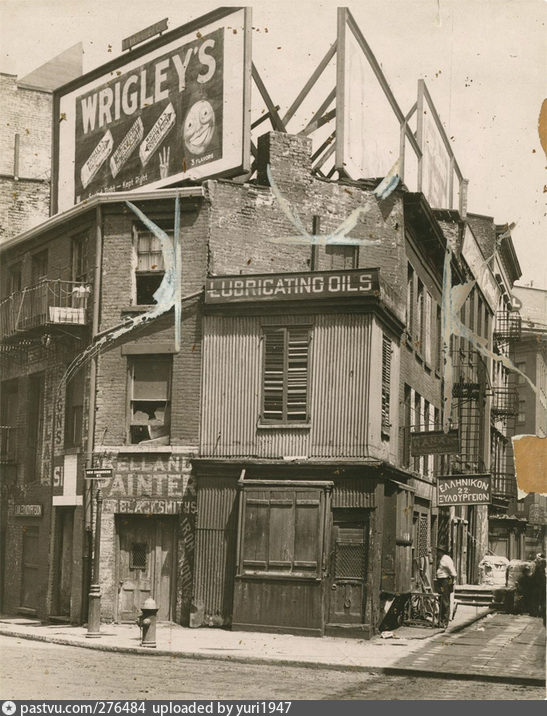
x=293, y=286
x=464, y=490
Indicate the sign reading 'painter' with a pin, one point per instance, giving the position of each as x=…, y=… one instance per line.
x=464, y=490
x=153, y=121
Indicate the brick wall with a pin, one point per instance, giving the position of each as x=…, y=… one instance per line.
x=28, y=114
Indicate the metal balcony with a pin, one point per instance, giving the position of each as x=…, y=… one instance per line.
x=48, y=303
x=8, y=445
x=504, y=485
x=504, y=402
x=507, y=326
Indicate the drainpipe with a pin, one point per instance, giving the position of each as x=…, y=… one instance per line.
x=88, y=485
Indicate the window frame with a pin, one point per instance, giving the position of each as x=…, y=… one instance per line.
x=140, y=231
x=132, y=361
x=284, y=421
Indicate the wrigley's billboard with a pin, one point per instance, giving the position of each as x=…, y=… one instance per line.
x=174, y=109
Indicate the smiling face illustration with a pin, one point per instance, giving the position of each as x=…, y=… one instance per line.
x=199, y=127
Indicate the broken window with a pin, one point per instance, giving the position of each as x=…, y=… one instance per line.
x=150, y=379
x=150, y=267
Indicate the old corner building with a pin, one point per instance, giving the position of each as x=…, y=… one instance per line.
x=267, y=440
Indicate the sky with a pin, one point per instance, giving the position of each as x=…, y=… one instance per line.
x=484, y=63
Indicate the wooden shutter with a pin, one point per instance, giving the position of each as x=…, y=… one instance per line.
x=274, y=364
x=386, y=384
x=297, y=374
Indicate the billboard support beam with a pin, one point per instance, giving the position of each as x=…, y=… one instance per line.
x=289, y=114
x=315, y=122
x=274, y=116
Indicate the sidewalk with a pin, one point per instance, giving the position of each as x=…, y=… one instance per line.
x=499, y=647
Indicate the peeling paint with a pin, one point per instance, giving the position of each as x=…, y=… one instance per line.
x=531, y=463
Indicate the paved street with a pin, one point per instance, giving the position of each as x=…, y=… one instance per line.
x=30, y=669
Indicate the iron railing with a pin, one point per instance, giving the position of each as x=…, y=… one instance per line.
x=8, y=444
x=507, y=326
x=505, y=401
x=50, y=302
x=504, y=484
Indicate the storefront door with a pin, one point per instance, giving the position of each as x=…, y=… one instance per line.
x=146, y=565
x=348, y=567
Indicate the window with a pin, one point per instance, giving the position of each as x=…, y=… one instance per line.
x=410, y=301
x=439, y=341
x=427, y=327
x=282, y=530
x=285, y=384
x=386, y=385
x=342, y=257
x=522, y=412
x=150, y=268
x=15, y=272
x=79, y=258
x=74, y=407
x=522, y=367
x=38, y=267
x=407, y=421
x=419, y=324
x=139, y=552
x=150, y=389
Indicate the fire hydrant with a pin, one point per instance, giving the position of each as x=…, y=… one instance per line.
x=147, y=623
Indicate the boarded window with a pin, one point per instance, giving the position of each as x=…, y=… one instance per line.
x=438, y=341
x=285, y=385
x=282, y=531
x=150, y=388
x=386, y=385
x=150, y=268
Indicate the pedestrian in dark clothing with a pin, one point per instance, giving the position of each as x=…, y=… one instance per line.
x=444, y=582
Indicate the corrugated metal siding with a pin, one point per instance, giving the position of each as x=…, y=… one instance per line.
x=216, y=537
x=354, y=492
x=339, y=389
x=340, y=385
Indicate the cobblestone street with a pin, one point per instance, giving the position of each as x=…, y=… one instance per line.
x=36, y=670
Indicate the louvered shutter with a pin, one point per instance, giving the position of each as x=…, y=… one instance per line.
x=297, y=374
x=428, y=306
x=386, y=383
x=274, y=369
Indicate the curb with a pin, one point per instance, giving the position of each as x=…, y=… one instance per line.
x=471, y=620
x=356, y=668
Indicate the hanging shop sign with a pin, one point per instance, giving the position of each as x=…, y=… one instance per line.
x=175, y=108
x=464, y=490
x=27, y=510
x=434, y=442
x=292, y=286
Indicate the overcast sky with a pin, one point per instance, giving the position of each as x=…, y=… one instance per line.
x=484, y=62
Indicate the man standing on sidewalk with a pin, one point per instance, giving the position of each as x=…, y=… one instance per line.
x=444, y=582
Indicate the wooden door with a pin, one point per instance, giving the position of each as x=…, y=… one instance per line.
x=29, y=575
x=145, y=565
x=347, y=571
x=63, y=585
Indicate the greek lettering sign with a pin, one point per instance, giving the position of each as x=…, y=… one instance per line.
x=464, y=490
x=434, y=442
x=28, y=510
x=174, y=109
x=292, y=287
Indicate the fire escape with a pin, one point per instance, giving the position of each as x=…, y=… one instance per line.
x=507, y=330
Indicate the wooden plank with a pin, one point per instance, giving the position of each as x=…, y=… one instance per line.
x=340, y=88
x=264, y=117
x=275, y=118
x=319, y=119
x=323, y=146
x=289, y=114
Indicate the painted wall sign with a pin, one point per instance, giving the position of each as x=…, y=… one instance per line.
x=482, y=272
x=434, y=442
x=291, y=287
x=174, y=109
x=143, y=507
x=144, y=485
x=464, y=490
x=27, y=510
